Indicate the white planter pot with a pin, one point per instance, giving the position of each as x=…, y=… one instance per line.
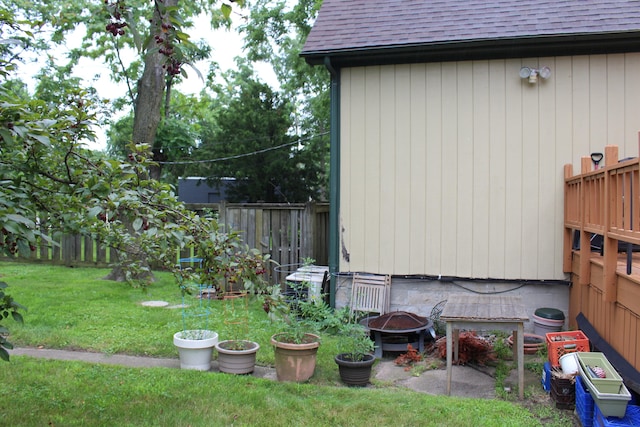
x=195, y=348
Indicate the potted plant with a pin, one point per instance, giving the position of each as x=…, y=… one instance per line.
x=221, y=261
x=195, y=347
x=195, y=342
x=296, y=346
x=236, y=355
x=355, y=360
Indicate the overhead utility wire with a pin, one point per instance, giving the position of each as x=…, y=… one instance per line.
x=238, y=156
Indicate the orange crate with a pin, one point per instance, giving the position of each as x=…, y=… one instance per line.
x=560, y=343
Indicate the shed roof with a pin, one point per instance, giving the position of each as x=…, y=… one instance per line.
x=361, y=30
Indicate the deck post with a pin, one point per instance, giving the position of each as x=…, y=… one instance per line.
x=585, y=236
x=610, y=245
x=568, y=232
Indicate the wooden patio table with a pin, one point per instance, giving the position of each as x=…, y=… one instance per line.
x=491, y=312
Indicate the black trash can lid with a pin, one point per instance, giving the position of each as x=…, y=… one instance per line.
x=550, y=313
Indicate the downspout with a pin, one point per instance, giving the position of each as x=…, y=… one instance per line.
x=334, y=180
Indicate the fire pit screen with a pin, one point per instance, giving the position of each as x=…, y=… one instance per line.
x=393, y=331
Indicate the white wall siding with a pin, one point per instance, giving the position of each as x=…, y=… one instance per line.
x=456, y=168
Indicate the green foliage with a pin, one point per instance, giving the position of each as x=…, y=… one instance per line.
x=275, y=33
x=8, y=307
x=355, y=341
x=251, y=136
x=225, y=261
x=501, y=348
x=49, y=179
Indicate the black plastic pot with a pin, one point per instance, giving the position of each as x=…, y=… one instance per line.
x=355, y=373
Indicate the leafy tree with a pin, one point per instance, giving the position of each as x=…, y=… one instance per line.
x=152, y=29
x=253, y=146
x=275, y=32
x=179, y=134
x=47, y=175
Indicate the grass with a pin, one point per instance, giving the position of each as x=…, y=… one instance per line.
x=73, y=308
x=75, y=393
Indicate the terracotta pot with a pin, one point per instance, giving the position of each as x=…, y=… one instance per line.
x=295, y=362
x=355, y=373
x=241, y=361
x=532, y=343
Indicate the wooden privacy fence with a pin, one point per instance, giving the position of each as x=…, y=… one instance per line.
x=288, y=232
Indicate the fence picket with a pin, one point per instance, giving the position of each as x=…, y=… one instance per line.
x=288, y=232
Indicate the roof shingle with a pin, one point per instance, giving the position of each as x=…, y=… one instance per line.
x=363, y=24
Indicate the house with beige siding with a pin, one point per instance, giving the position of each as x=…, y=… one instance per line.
x=451, y=125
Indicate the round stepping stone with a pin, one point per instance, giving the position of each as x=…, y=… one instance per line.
x=155, y=303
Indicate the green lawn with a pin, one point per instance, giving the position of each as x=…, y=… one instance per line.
x=73, y=308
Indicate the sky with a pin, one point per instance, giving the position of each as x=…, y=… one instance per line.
x=226, y=45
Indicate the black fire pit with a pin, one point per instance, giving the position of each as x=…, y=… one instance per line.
x=394, y=331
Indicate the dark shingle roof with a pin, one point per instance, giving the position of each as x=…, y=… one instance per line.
x=359, y=25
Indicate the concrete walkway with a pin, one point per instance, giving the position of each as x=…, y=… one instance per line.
x=466, y=381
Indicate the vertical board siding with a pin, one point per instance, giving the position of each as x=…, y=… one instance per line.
x=402, y=142
x=449, y=180
x=496, y=167
x=455, y=168
x=358, y=150
x=630, y=93
x=386, y=128
x=480, y=225
x=434, y=167
x=514, y=157
x=372, y=163
x=418, y=179
x=464, y=183
x=549, y=249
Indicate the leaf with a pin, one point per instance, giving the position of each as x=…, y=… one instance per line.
x=43, y=139
x=182, y=36
x=6, y=135
x=17, y=317
x=4, y=355
x=21, y=220
x=94, y=211
x=226, y=10
x=137, y=224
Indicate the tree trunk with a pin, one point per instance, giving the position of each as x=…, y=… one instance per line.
x=151, y=87
x=148, y=105
x=118, y=274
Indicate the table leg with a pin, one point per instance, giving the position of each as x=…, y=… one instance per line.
x=514, y=348
x=520, y=341
x=456, y=344
x=449, y=356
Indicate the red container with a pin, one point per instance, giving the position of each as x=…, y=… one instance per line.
x=561, y=343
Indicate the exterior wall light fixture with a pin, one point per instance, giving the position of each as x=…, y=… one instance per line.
x=533, y=73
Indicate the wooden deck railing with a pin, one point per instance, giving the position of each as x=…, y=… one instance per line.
x=606, y=279
x=605, y=202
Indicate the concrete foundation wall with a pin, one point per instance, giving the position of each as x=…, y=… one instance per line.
x=421, y=296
